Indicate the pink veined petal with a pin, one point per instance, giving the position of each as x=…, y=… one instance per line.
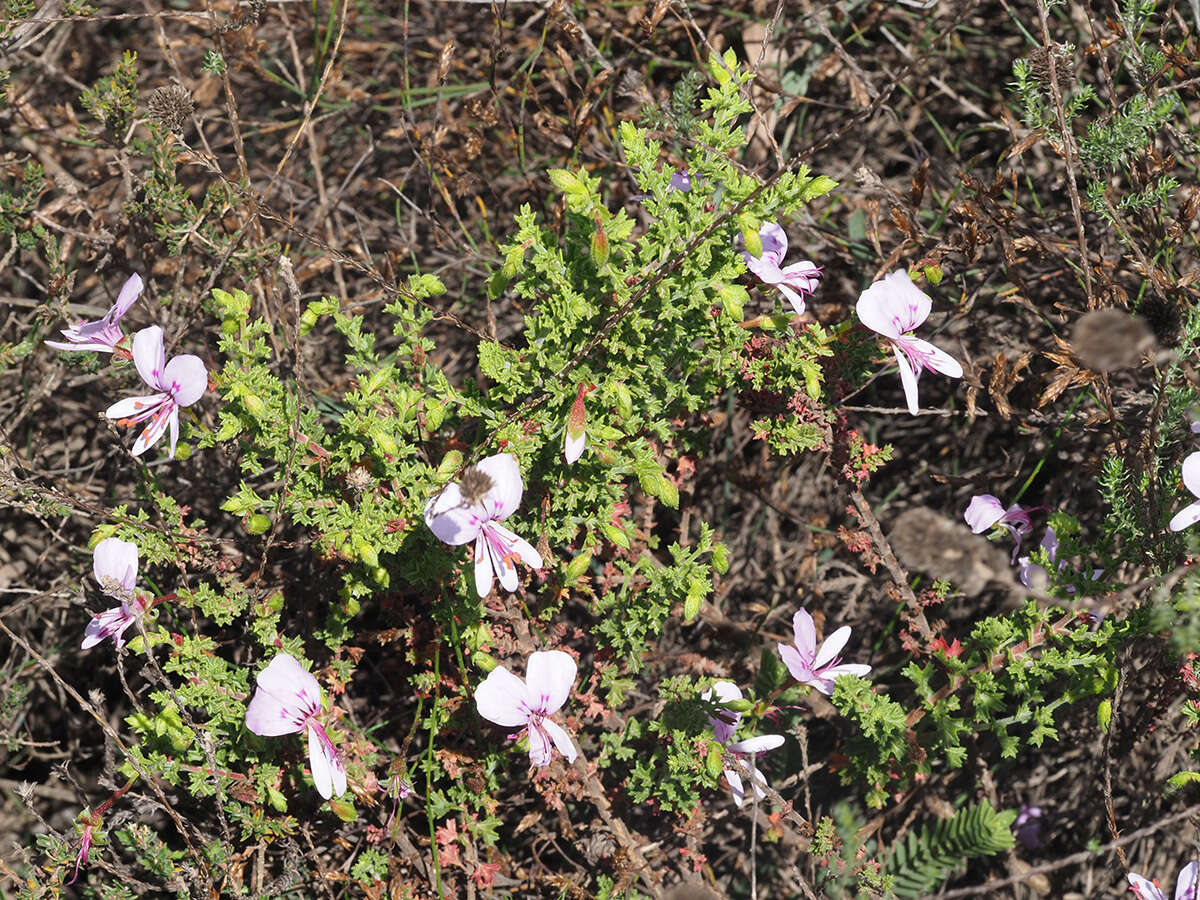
x=500, y=560
x=329, y=775
x=796, y=663
x=269, y=716
x=725, y=726
x=874, y=310
x=186, y=379
x=759, y=744
x=503, y=698
x=735, y=786
x=150, y=357
x=520, y=546
x=505, y=496
x=831, y=647
x=983, y=512
x=541, y=746
x=908, y=305
x=110, y=623
x=908, y=378
x=130, y=291
x=793, y=298
x=484, y=565
x=561, y=739
x=1190, y=473
x=765, y=268
x=1185, y=885
x=451, y=521
x=549, y=677
x=173, y=429
x=117, y=560
x=935, y=358
x=805, y=633
x=290, y=682
x=151, y=434
x=1186, y=517
x=136, y=408
x=573, y=446
x=774, y=239
x=803, y=274
x=1143, y=888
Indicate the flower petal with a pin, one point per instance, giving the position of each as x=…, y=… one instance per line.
x=831, y=647
x=893, y=305
x=797, y=664
x=451, y=520
x=1143, y=888
x=1186, y=517
x=291, y=684
x=562, y=740
x=150, y=435
x=908, y=378
x=110, y=623
x=984, y=511
x=935, y=358
x=1191, y=473
x=505, y=495
x=499, y=561
x=518, y=545
x=858, y=669
x=136, y=408
x=503, y=698
x=759, y=744
x=186, y=379
x=735, y=786
x=150, y=357
x=1185, y=885
x=549, y=677
x=130, y=291
x=329, y=775
x=115, y=560
x=541, y=746
x=805, y=634
x=573, y=446
x=794, y=298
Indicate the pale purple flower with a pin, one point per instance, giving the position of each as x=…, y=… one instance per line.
x=1029, y=570
x=793, y=281
x=725, y=724
x=472, y=509
x=1028, y=826
x=288, y=701
x=985, y=511
x=746, y=751
x=1185, y=885
x=104, y=335
x=114, y=565
x=1190, y=514
x=680, y=181
x=505, y=699
x=180, y=382
x=892, y=308
x=814, y=667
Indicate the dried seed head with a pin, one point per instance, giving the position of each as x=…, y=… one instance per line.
x=358, y=479
x=926, y=541
x=1064, y=66
x=1108, y=339
x=474, y=486
x=171, y=106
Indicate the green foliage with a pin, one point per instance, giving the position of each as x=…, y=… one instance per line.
x=927, y=856
x=112, y=101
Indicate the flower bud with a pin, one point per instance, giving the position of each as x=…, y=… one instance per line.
x=577, y=567
x=450, y=463
x=258, y=523
x=720, y=559
x=668, y=493
x=741, y=705
x=483, y=661
x=308, y=320
x=365, y=552
x=599, y=248
x=714, y=759
x=616, y=535
x=254, y=404
x=435, y=414
x=624, y=400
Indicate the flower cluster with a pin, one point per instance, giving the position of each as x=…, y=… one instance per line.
x=175, y=384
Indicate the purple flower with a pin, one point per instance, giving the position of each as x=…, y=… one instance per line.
x=892, y=308
x=105, y=334
x=985, y=511
x=1028, y=826
x=680, y=181
x=795, y=280
x=1190, y=514
x=1031, y=579
x=288, y=701
x=724, y=725
x=505, y=699
x=814, y=667
x=114, y=565
x=85, y=844
x=180, y=382
x=472, y=509
x=1185, y=885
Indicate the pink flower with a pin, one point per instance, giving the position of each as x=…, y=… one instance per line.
x=473, y=508
x=1190, y=514
x=985, y=511
x=724, y=725
x=114, y=564
x=85, y=844
x=288, y=701
x=1185, y=885
x=893, y=307
x=793, y=281
x=505, y=699
x=814, y=667
x=180, y=382
x=105, y=334
x=747, y=750
x=575, y=439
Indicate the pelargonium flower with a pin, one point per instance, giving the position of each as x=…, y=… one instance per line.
x=575, y=439
x=114, y=565
x=85, y=845
x=892, y=308
x=1029, y=570
x=104, y=335
x=473, y=508
x=680, y=181
x=725, y=725
x=180, y=382
x=1185, y=884
x=747, y=750
x=985, y=511
x=795, y=280
x=817, y=667
x=527, y=704
x=1190, y=514
x=288, y=701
